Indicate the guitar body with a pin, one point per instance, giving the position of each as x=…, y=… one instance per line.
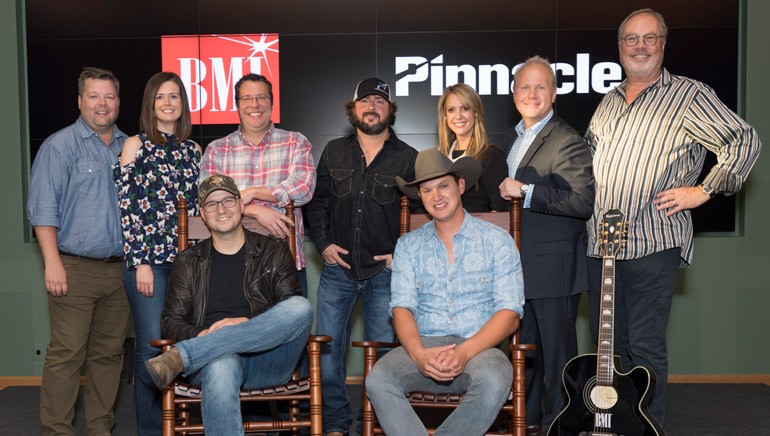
x=629, y=415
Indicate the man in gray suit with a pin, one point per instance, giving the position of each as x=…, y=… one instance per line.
x=550, y=169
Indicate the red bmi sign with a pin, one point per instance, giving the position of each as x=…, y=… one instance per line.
x=209, y=66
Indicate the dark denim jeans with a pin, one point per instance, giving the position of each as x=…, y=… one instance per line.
x=146, y=314
x=337, y=296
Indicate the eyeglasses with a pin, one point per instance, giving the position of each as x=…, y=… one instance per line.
x=250, y=98
x=649, y=39
x=227, y=202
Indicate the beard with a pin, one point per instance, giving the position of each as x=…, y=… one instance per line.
x=648, y=69
x=369, y=129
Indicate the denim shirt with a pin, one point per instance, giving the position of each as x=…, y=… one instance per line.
x=457, y=299
x=71, y=188
x=357, y=206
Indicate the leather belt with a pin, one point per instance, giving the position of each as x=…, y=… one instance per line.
x=111, y=259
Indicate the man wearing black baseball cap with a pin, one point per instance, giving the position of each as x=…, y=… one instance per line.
x=354, y=224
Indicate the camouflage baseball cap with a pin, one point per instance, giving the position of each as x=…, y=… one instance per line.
x=217, y=182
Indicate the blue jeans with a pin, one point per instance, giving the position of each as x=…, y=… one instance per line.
x=337, y=296
x=485, y=384
x=262, y=351
x=146, y=314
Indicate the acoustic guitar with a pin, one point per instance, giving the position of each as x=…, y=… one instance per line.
x=602, y=401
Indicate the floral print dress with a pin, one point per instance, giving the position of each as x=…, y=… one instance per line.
x=148, y=189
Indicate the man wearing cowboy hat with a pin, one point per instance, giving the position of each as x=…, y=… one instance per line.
x=457, y=291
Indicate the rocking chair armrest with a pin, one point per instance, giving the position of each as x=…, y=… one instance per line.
x=162, y=342
x=320, y=339
x=523, y=347
x=374, y=344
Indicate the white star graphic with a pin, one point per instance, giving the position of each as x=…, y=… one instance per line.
x=258, y=48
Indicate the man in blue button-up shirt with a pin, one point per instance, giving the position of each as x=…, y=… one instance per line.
x=73, y=206
x=457, y=291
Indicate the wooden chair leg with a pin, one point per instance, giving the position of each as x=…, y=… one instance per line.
x=314, y=359
x=168, y=407
x=370, y=357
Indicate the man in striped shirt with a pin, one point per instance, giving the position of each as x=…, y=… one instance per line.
x=649, y=138
x=270, y=165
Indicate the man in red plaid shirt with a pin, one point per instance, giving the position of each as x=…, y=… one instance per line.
x=270, y=165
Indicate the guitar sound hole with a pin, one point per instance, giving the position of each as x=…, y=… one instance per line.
x=604, y=397
x=597, y=397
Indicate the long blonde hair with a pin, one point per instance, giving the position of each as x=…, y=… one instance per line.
x=479, y=140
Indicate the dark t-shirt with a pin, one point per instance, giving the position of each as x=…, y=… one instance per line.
x=227, y=298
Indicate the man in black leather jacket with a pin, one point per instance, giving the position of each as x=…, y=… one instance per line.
x=234, y=304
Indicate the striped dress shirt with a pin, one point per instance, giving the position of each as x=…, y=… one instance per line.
x=281, y=162
x=659, y=142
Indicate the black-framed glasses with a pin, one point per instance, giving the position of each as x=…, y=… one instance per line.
x=250, y=98
x=227, y=202
x=649, y=39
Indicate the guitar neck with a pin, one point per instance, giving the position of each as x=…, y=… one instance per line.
x=605, y=346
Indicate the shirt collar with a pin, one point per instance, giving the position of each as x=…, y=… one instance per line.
x=536, y=128
x=466, y=229
x=265, y=138
x=85, y=131
x=663, y=80
x=389, y=142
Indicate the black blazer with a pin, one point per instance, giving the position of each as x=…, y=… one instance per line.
x=553, y=228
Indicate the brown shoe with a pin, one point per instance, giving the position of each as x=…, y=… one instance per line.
x=164, y=368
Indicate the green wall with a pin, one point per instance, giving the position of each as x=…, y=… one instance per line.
x=719, y=317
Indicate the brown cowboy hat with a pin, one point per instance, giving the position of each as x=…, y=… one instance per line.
x=432, y=164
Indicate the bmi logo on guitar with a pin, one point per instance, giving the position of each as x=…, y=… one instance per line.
x=209, y=66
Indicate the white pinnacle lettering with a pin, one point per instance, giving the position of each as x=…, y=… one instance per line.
x=565, y=87
x=605, y=76
x=582, y=73
x=436, y=77
x=453, y=75
x=501, y=78
x=581, y=78
x=420, y=75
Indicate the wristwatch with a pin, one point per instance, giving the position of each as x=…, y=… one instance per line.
x=524, y=189
x=711, y=192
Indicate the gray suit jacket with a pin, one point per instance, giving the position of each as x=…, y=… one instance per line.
x=553, y=239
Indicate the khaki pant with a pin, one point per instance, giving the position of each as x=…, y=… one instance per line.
x=88, y=324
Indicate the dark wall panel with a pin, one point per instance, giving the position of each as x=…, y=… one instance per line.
x=326, y=47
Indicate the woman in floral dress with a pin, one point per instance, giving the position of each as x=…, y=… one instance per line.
x=156, y=167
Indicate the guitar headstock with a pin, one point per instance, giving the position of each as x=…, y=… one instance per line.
x=612, y=232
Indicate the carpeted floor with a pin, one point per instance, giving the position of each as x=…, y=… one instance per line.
x=693, y=409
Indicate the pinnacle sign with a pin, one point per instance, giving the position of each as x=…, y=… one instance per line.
x=209, y=66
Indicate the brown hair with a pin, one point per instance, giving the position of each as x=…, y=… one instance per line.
x=148, y=120
x=351, y=112
x=96, y=74
x=252, y=77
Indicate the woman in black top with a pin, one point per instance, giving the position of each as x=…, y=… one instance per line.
x=461, y=132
